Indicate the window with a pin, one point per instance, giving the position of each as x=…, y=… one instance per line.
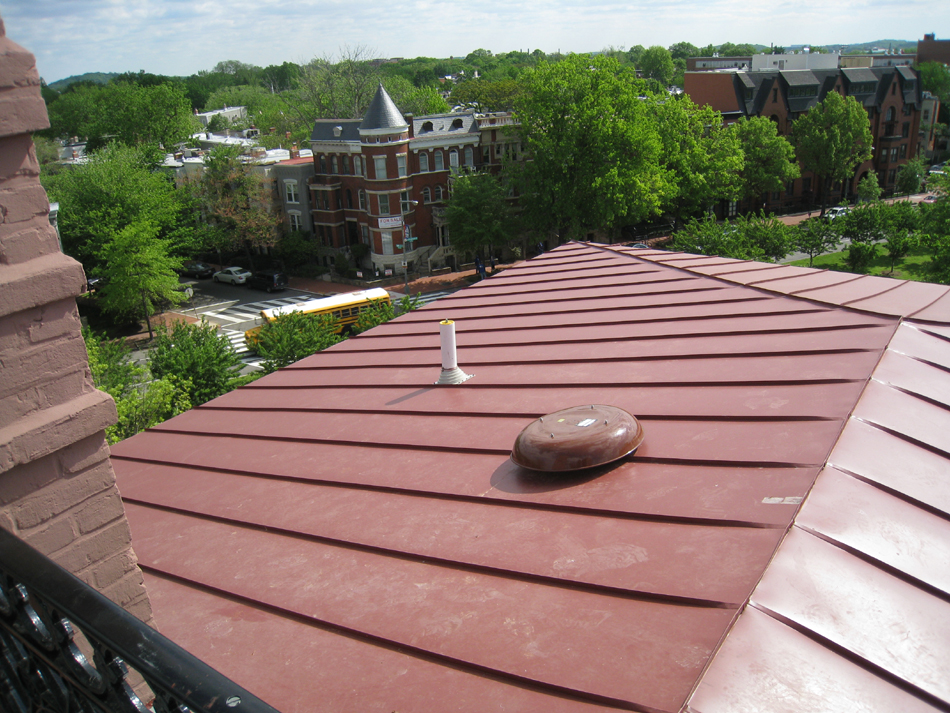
x=365, y=231
x=334, y=167
x=384, y=204
x=424, y=162
x=349, y=198
x=380, y=164
x=890, y=114
x=775, y=95
x=323, y=164
x=456, y=123
x=426, y=195
x=454, y=159
x=362, y=198
x=486, y=154
x=893, y=154
x=401, y=165
x=439, y=165
x=426, y=126
x=469, y=156
x=732, y=208
x=326, y=200
x=438, y=193
x=346, y=165
x=358, y=165
x=891, y=175
x=806, y=91
x=790, y=189
x=404, y=202
x=291, y=187
x=894, y=89
x=905, y=130
x=295, y=222
x=903, y=151
x=387, y=239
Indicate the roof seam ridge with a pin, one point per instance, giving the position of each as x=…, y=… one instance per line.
x=407, y=648
x=852, y=656
x=903, y=436
x=879, y=564
x=893, y=492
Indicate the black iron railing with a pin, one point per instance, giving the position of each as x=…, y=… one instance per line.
x=65, y=648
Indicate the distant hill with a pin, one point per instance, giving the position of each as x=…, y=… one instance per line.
x=892, y=45
x=97, y=77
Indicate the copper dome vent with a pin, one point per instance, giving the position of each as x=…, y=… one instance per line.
x=576, y=438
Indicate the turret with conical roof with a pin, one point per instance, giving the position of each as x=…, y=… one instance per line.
x=383, y=116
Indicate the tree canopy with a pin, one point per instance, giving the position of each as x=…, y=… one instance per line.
x=657, y=63
x=832, y=139
x=478, y=213
x=768, y=159
x=595, y=150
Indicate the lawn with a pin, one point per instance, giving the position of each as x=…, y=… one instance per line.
x=913, y=267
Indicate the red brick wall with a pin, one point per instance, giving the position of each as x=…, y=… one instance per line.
x=57, y=487
x=715, y=89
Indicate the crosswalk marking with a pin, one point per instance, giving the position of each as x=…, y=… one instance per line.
x=252, y=310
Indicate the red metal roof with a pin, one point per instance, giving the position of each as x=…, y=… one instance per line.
x=345, y=535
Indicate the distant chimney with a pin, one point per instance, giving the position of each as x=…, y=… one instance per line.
x=338, y=131
x=408, y=119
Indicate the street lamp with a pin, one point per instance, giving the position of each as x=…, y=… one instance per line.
x=406, y=246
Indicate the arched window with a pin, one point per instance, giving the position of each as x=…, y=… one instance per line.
x=426, y=195
x=454, y=158
x=349, y=198
x=334, y=167
x=346, y=165
x=891, y=112
x=426, y=126
x=439, y=164
x=469, y=156
x=423, y=161
x=362, y=196
x=438, y=193
x=323, y=164
x=357, y=165
x=456, y=123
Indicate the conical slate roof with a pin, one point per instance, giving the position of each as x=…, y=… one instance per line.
x=382, y=113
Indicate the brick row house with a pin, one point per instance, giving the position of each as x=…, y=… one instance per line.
x=891, y=96
x=385, y=178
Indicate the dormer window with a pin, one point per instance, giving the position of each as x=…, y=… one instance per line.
x=337, y=130
x=456, y=123
x=426, y=126
x=803, y=91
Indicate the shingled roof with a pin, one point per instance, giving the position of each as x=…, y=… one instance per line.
x=343, y=534
x=382, y=113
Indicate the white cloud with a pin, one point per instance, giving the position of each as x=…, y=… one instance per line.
x=180, y=37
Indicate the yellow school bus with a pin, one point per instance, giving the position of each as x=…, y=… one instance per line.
x=343, y=308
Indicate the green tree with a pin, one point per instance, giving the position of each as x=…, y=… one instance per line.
x=935, y=78
x=235, y=204
x=657, y=63
x=910, y=176
x=381, y=312
x=868, y=188
x=683, y=50
x=702, y=158
x=139, y=274
x=770, y=236
x=815, y=237
x=864, y=227
x=768, y=159
x=832, y=139
x=708, y=237
x=199, y=352
x=116, y=188
x=478, y=213
x=141, y=402
x=594, y=146
x=293, y=336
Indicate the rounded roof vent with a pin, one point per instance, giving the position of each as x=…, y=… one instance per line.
x=576, y=438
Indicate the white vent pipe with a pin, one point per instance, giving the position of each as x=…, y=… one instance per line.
x=451, y=374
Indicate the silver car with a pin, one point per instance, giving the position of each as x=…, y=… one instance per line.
x=234, y=275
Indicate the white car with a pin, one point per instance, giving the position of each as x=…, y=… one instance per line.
x=234, y=275
x=836, y=212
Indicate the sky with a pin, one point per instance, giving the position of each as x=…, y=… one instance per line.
x=182, y=37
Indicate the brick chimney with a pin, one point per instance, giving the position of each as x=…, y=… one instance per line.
x=57, y=487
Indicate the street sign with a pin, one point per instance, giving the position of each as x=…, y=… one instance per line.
x=406, y=233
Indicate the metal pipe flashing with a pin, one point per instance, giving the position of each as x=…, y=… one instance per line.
x=451, y=374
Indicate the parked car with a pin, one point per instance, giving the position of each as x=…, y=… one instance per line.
x=836, y=212
x=268, y=280
x=201, y=270
x=233, y=275
x=931, y=198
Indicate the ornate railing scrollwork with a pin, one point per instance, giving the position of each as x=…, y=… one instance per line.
x=65, y=648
